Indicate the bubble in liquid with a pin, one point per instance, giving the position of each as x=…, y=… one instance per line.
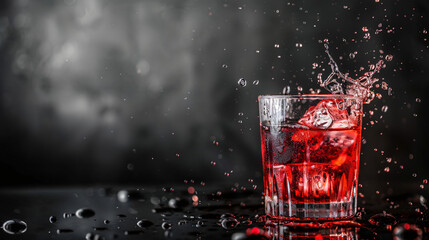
x=213, y=163
x=276, y=45
x=387, y=169
x=298, y=45
x=418, y=100
x=299, y=88
x=365, y=29
x=384, y=108
x=256, y=82
x=14, y=226
x=85, y=213
x=229, y=223
x=224, y=66
x=352, y=55
x=389, y=57
x=242, y=82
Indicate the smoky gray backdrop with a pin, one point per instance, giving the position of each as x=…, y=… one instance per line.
x=146, y=92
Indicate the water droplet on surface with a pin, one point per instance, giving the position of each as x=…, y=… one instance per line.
x=242, y=82
x=91, y=236
x=52, y=219
x=229, y=223
x=213, y=163
x=384, y=108
x=276, y=45
x=14, y=226
x=387, y=169
x=85, y=213
x=256, y=82
x=133, y=232
x=68, y=215
x=166, y=225
x=60, y=231
x=182, y=222
x=365, y=29
x=407, y=231
x=144, y=223
x=382, y=220
x=200, y=224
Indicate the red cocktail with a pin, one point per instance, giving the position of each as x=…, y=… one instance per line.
x=310, y=148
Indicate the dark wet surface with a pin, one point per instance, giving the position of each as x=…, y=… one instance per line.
x=182, y=212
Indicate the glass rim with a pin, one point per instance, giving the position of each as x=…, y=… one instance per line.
x=309, y=96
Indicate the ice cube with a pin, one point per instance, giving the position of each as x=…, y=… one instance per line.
x=324, y=115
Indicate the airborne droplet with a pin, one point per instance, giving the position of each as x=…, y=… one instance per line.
x=52, y=219
x=389, y=57
x=242, y=82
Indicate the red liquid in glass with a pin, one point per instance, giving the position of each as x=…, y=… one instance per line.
x=309, y=166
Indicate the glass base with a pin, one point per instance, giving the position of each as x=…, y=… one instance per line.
x=309, y=211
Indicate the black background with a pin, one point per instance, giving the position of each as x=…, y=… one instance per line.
x=145, y=92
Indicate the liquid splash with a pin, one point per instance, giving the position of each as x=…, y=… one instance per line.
x=339, y=83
